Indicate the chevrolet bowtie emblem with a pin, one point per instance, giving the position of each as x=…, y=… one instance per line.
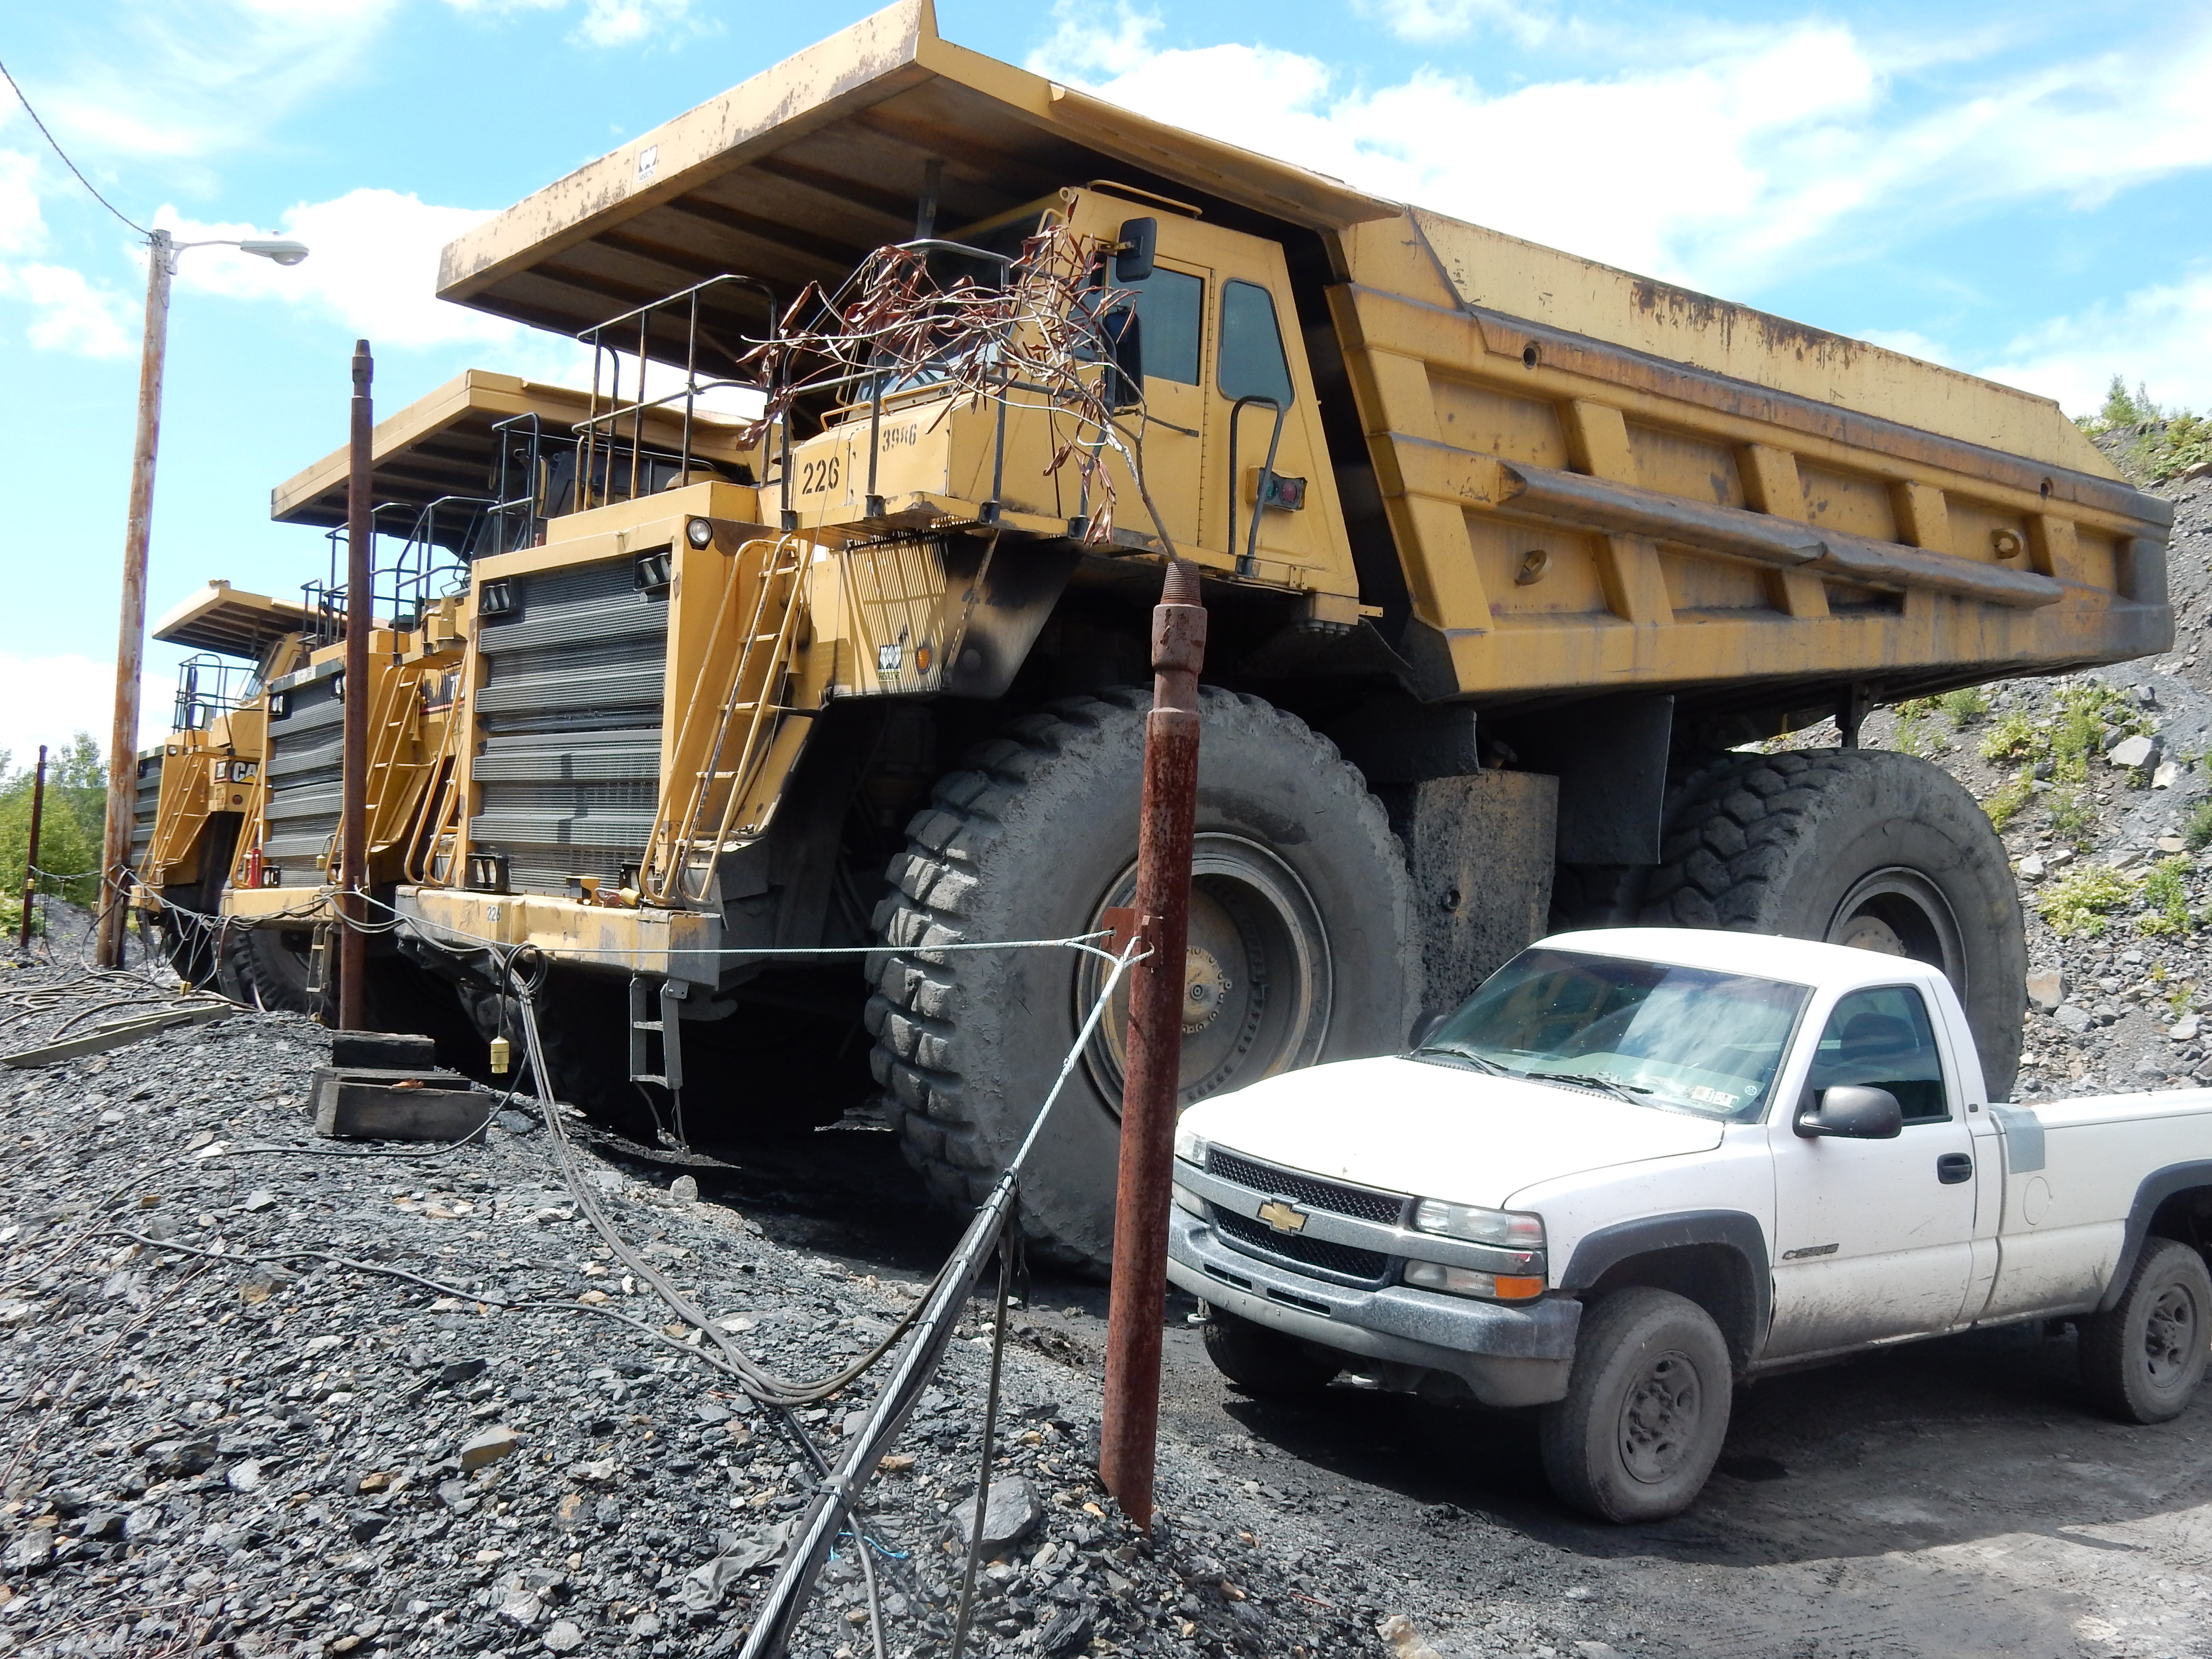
x=1283, y=1218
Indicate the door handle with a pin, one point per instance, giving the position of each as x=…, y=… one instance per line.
x=1951, y=1168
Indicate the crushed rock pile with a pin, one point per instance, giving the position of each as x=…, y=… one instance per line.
x=217, y=1442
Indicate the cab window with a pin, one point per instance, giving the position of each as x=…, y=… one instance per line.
x=1881, y=1039
x=1252, y=361
x=1170, y=311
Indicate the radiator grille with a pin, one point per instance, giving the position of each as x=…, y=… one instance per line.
x=1367, y=1266
x=1389, y=1208
x=570, y=713
x=306, y=753
x=145, y=804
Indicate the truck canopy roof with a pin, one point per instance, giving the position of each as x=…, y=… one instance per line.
x=1798, y=961
x=799, y=173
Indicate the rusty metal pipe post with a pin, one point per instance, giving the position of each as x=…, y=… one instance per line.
x=131, y=627
x=31, y=853
x=361, y=617
x=1152, y=1075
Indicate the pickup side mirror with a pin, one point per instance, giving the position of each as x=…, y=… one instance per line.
x=1853, y=1113
x=1424, y=1028
x=1132, y=255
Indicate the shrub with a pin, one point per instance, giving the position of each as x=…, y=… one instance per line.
x=1964, y=706
x=2005, y=802
x=2167, y=896
x=2071, y=819
x=2017, y=735
x=2081, y=904
x=2197, y=828
x=69, y=835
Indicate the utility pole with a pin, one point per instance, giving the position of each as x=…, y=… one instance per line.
x=131, y=631
x=31, y=853
x=1152, y=1074
x=360, y=618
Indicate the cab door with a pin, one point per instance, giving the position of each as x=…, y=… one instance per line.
x=1171, y=313
x=1873, y=1239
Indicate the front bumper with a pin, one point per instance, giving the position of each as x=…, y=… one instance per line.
x=1505, y=1355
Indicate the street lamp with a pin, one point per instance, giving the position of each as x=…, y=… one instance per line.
x=131, y=637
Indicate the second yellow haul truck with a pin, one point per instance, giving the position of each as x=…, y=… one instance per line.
x=1507, y=556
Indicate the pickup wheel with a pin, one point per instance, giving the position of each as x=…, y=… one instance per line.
x=2142, y=1359
x=1858, y=846
x=1265, y=1362
x=1299, y=905
x=1646, y=1410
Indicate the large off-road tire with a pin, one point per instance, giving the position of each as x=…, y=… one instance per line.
x=1646, y=1410
x=268, y=968
x=1264, y=1362
x=2142, y=1359
x=1298, y=919
x=1859, y=847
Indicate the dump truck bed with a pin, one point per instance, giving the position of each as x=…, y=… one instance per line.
x=1592, y=482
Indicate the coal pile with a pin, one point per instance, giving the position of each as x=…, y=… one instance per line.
x=261, y=1403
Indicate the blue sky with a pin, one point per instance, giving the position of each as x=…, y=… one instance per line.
x=2019, y=189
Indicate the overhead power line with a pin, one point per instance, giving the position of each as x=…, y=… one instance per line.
x=66, y=162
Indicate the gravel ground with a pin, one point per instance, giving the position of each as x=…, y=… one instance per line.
x=220, y=1438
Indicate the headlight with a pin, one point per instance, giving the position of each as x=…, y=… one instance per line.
x=1187, y=1201
x=1469, y=1281
x=1190, y=1146
x=1509, y=1228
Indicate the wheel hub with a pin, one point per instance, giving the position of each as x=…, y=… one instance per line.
x=1205, y=986
x=1899, y=912
x=2169, y=1334
x=1659, y=1418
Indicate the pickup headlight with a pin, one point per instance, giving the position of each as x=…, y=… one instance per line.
x=1470, y=1281
x=1190, y=1146
x=1512, y=1229
x=1187, y=1201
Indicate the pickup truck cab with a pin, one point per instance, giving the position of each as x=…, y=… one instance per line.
x=1640, y=1166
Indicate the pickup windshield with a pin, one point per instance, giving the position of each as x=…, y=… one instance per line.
x=1688, y=1039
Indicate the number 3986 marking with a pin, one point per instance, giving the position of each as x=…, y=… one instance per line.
x=815, y=476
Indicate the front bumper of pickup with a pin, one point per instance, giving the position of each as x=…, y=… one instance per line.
x=1505, y=1355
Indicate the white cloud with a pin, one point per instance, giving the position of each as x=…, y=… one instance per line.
x=71, y=314
x=188, y=79
x=373, y=266
x=625, y=22
x=22, y=229
x=50, y=700
x=1762, y=150
x=1423, y=21
x=2160, y=336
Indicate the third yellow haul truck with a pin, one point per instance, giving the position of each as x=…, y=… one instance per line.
x=1508, y=555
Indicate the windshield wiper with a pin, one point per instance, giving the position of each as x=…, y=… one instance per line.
x=1608, y=1085
x=1482, y=1062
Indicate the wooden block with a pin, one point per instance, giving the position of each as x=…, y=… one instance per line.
x=395, y=1105
x=118, y=1033
x=388, y=1049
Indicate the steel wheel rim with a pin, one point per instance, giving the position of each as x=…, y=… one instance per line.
x=1899, y=912
x=2170, y=1337
x=1259, y=952
x=1659, y=1418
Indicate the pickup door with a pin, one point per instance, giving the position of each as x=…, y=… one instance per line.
x=1875, y=1239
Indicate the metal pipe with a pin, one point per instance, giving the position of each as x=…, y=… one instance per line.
x=1152, y=1072
x=31, y=854
x=361, y=618
x=130, y=626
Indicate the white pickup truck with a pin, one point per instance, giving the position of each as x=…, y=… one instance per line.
x=1642, y=1165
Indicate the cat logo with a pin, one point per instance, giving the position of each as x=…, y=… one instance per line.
x=1283, y=1218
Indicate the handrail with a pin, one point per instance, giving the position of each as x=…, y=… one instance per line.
x=1248, y=561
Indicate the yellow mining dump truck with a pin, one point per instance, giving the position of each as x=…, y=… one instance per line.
x=468, y=471
x=198, y=786
x=1509, y=555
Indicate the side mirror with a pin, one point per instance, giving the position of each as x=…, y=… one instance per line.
x=1853, y=1113
x=1133, y=259
x=1424, y=1028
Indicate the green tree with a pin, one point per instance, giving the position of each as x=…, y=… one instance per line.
x=71, y=833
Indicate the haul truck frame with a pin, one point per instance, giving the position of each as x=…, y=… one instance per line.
x=1505, y=552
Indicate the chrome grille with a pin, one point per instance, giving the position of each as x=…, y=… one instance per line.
x=1311, y=1191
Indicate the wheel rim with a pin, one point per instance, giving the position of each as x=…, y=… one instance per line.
x=1901, y=913
x=1258, y=984
x=2170, y=1338
x=1659, y=1418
